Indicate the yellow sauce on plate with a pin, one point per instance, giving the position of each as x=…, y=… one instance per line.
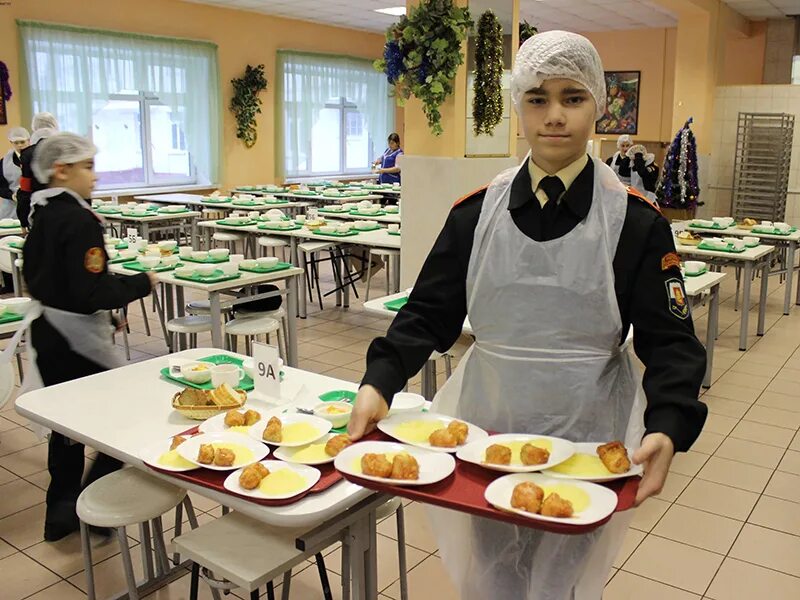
x=311, y=454
x=583, y=465
x=297, y=433
x=578, y=497
x=174, y=460
x=244, y=456
x=243, y=429
x=416, y=432
x=282, y=482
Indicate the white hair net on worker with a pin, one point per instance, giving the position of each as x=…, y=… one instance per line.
x=18, y=134
x=558, y=55
x=62, y=148
x=44, y=119
x=624, y=139
x=40, y=134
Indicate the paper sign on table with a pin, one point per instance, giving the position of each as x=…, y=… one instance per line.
x=266, y=372
x=132, y=235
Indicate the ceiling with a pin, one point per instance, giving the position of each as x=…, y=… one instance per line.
x=574, y=15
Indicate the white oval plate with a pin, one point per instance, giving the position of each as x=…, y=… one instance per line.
x=310, y=474
x=288, y=454
x=153, y=452
x=389, y=425
x=433, y=466
x=591, y=449
x=216, y=424
x=322, y=426
x=476, y=452
x=190, y=447
x=602, y=501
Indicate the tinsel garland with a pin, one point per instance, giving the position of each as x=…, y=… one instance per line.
x=4, y=82
x=487, y=103
x=678, y=186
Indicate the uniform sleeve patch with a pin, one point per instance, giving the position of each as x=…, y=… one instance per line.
x=676, y=298
x=670, y=260
x=95, y=260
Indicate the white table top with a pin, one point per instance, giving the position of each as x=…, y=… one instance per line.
x=340, y=199
x=10, y=327
x=4, y=231
x=171, y=198
x=749, y=255
x=702, y=283
x=735, y=231
x=120, y=412
x=376, y=307
x=151, y=218
x=378, y=238
x=387, y=218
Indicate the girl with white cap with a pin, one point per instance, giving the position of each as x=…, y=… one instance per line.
x=635, y=166
x=553, y=263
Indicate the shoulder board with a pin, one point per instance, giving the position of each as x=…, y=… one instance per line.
x=470, y=195
x=638, y=195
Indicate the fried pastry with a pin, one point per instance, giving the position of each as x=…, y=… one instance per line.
x=376, y=465
x=556, y=506
x=263, y=471
x=442, y=438
x=337, y=443
x=205, y=456
x=405, y=466
x=460, y=430
x=527, y=496
x=497, y=454
x=748, y=222
x=233, y=418
x=224, y=457
x=251, y=477
x=614, y=456
x=533, y=455
x=274, y=430
x=177, y=441
x=251, y=417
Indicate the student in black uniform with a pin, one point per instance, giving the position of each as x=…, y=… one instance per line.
x=44, y=125
x=10, y=174
x=553, y=263
x=635, y=167
x=66, y=271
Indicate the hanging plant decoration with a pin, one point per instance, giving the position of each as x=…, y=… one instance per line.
x=246, y=104
x=422, y=55
x=526, y=30
x=487, y=103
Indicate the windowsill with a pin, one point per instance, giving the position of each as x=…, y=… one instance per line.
x=191, y=187
x=347, y=177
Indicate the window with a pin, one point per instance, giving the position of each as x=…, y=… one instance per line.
x=135, y=96
x=336, y=114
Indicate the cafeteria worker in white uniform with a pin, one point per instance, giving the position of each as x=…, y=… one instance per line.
x=559, y=261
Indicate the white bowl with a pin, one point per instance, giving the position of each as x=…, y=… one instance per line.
x=185, y=251
x=185, y=271
x=149, y=261
x=168, y=245
x=338, y=413
x=170, y=260
x=349, y=205
x=249, y=367
x=327, y=229
x=267, y=262
x=6, y=222
x=228, y=268
x=694, y=266
x=199, y=255
x=406, y=402
x=343, y=228
x=196, y=372
x=359, y=224
x=750, y=240
x=219, y=253
x=206, y=269
x=247, y=263
x=18, y=305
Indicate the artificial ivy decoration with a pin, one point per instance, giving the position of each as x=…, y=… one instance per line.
x=423, y=53
x=526, y=30
x=246, y=104
x=487, y=103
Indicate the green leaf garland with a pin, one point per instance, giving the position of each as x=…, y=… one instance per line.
x=487, y=103
x=526, y=30
x=246, y=104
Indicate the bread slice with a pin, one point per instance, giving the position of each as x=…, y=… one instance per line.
x=225, y=395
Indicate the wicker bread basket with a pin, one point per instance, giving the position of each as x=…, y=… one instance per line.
x=205, y=411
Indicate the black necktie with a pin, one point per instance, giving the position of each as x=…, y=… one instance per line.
x=553, y=187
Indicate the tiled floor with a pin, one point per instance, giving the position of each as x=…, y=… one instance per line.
x=725, y=527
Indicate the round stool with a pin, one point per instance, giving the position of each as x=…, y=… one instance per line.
x=266, y=242
x=129, y=497
x=229, y=238
x=278, y=314
x=191, y=324
x=391, y=256
x=251, y=328
x=203, y=307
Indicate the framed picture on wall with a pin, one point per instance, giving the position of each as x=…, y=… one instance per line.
x=622, y=103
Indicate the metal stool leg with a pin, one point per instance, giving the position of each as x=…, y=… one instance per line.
x=160, y=546
x=86, y=548
x=346, y=575
x=195, y=580
x=270, y=591
x=369, y=275
x=287, y=585
x=323, y=576
x=144, y=316
x=147, y=554
x=133, y=593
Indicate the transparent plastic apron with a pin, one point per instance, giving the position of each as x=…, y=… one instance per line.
x=546, y=360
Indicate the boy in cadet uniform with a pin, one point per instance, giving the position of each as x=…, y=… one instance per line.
x=66, y=272
x=553, y=263
x=43, y=126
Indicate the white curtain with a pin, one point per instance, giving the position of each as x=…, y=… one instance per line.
x=70, y=69
x=306, y=82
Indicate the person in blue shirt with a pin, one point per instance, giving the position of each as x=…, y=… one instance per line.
x=388, y=171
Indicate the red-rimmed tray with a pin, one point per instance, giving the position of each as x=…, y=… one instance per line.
x=464, y=491
x=215, y=480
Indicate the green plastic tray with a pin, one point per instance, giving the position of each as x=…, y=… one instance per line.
x=703, y=272
x=356, y=213
x=365, y=229
x=10, y=226
x=135, y=266
x=207, y=260
x=332, y=212
x=245, y=224
x=309, y=194
x=728, y=249
x=281, y=266
x=10, y=317
x=393, y=232
x=247, y=203
x=714, y=226
x=246, y=383
x=163, y=211
x=121, y=246
x=265, y=228
x=272, y=202
x=108, y=211
x=220, y=201
x=338, y=396
x=215, y=277
x=17, y=245
x=396, y=304
x=119, y=259
x=336, y=234
x=773, y=232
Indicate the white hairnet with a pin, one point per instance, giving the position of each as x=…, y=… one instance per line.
x=18, y=134
x=623, y=139
x=44, y=119
x=558, y=55
x=61, y=148
x=40, y=134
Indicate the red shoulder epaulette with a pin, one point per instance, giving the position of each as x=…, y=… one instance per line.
x=470, y=195
x=640, y=196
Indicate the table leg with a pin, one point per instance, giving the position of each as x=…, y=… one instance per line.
x=363, y=558
x=181, y=310
x=762, y=302
x=787, y=297
x=146, y=230
x=294, y=257
x=345, y=271
x=745, y=310
x=216, y=320
x=711, y=333
x=396, y=272
x=428, y=377
x=15, y=276
x=291, y=320
x=195, y=236
x=208, y=238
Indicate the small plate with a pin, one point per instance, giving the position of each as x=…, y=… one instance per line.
x=593, y=461
x=310, y=474
x=433, y=466
x=190, y=447
x=296, y=455
x=391, y=425
x=560, y=450
x=602, y=501
x=152, y=453
x=321, y=425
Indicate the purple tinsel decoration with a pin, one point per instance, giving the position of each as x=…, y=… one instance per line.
x=394, y=61
x=4, y=84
